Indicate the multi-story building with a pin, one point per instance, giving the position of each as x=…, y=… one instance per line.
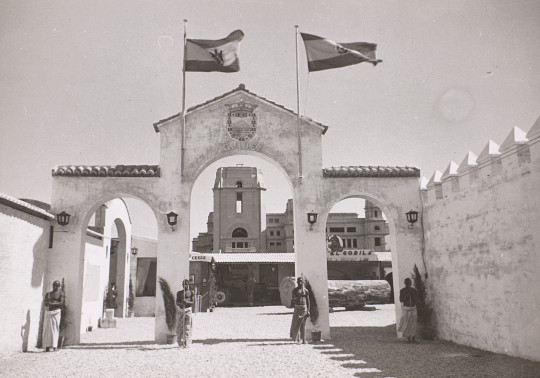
x=353, y=231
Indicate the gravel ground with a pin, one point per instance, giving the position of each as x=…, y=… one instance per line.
x=253, y=342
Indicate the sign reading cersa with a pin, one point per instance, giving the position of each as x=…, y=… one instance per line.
x=350, y=255
x=194, y=256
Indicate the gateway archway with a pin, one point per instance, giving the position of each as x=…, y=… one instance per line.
x=239, y=122
x=240, y=223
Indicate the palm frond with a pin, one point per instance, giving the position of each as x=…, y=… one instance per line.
x=169, y=302
x=313, y=309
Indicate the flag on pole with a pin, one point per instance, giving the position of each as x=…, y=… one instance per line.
x=207, y=55
x=324, y=54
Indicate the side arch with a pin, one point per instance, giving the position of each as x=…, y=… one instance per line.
x=394, y=196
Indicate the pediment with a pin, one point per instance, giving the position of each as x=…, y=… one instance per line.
x=237, y=97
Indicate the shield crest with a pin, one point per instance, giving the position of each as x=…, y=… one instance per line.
x=241, y=121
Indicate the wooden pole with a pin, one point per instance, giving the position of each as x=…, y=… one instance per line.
x=298, y=110
x=183, y=118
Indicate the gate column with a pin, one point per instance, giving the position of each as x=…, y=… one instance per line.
x=172, y=260
x=310, y=249
x=65, y=261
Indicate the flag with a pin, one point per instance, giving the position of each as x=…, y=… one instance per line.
x=324, y=54
x=207, y=55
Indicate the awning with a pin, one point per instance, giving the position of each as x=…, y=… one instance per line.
x=243, y=258
x=287, y=258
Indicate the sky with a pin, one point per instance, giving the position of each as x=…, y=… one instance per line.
x=83, y=82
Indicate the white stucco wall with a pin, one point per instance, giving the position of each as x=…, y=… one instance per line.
x=24, y=250
x=96, y=277
x=483, y=253
x=147, y=248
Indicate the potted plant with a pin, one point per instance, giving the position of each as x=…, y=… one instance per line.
x=212, y=292
x=423, y=307
x=131, y=300
x=170, y=310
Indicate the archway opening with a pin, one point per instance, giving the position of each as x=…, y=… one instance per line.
x=359, y=260
x=119, y=270
x=242, y=233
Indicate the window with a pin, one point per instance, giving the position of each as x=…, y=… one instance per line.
x=270, y=220
x=238, y=202
x=351, y=229
x=239, y=184
x=146, y=277
x=377, y=228
x=276, y=220
x=278, y=233
x=337, y=229
x=278, y=244
x=377, y=242
x=376, y=213
x=355, y=243
x=239, y=233
x=271, y=233
x=349, y=243
x=272, y=244
x=239, y=244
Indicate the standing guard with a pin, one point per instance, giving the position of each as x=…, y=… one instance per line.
x=184, y=301
x=54, y=302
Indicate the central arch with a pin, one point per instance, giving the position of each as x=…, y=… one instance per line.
x=207, y=139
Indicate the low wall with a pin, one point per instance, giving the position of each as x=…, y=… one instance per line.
x=482, y=248
x=24, y=241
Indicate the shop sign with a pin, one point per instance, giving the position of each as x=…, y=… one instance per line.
x=194, y=256
x=351, y=255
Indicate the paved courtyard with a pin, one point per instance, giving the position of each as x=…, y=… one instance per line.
x=253, y=342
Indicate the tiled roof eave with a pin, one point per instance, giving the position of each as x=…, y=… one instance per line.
x=139, y=171
x=370, y=171
x=25, y=207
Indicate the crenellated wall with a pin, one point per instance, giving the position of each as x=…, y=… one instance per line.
x=482, y=246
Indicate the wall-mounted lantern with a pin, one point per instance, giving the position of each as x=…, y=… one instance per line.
x=134, y=250
x=312, y=219
x=63, y=218
x=172, y=219
x=412, y=217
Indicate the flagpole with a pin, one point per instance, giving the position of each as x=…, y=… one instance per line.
x=183, y=118
x=298, y=110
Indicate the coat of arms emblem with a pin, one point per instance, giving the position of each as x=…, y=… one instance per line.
x=241, y=121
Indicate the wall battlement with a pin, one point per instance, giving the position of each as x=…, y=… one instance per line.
x=516, y=157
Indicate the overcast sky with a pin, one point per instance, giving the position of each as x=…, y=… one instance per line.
x=82, y=82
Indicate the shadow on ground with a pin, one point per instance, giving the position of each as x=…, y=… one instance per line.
x=140, y=345
x=379, y=348
x=260, y=341
x=288, y=313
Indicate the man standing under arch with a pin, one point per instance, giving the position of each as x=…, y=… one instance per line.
x=184, y=301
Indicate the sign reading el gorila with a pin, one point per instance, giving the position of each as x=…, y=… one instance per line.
x=241, y=121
